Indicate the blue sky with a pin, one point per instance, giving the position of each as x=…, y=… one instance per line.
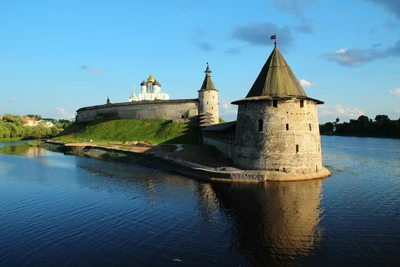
x=59, y=56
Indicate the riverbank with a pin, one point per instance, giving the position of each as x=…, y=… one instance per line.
x=206, y=163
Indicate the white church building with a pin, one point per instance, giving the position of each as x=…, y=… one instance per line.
x=150, y=90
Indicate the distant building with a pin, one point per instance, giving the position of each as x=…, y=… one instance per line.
x=150, y=90
x=29, y=121
x=151, y=103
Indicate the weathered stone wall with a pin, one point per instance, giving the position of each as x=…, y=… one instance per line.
x=223, y=146
x=284, y=138
x=158, y=109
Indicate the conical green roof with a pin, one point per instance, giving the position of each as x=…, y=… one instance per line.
x=276, y=79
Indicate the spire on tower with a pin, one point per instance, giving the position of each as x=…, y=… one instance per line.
x=208, y=83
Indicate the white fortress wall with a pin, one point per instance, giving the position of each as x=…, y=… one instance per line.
x=157, y=109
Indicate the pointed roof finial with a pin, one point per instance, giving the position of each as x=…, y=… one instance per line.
x=273, y=37
x=208, y=70
x=207, y=83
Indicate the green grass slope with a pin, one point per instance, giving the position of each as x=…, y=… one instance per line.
x=154, y=131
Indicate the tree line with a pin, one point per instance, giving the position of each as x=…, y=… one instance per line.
x=381, y=126
x=12, y=126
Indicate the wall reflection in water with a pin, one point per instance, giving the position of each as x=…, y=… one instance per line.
x=273, y=223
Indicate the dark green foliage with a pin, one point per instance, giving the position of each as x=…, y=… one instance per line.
x=326, y=128
x=363, y=126
x=11, y=126
x=15, y=119
x=381, y=118
x=37, y=117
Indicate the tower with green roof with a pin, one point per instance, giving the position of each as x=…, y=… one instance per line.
x=277, y=126
x=208, y=99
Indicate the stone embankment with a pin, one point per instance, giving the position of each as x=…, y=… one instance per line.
x=158, y=161
x=207, y=167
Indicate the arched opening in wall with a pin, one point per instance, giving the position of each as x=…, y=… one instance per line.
x=183, y=116
x=212, y=107
x=260, y=125
x=275, y=103
x=297, y=148
x=316, y=168
x=207, y=102
x=309, y=126
x=287, y=126
x=302, y=103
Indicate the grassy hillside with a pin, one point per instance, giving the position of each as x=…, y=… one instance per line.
x=154, y=131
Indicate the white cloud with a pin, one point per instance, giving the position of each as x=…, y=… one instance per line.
x=227, y=111
x=65, y=114
x=395, y=92
x=341, y=51
x=91, y=69
x=397, y=110
x=330, y=113
x=306, y=83
x=356, y=56
x=13, y=99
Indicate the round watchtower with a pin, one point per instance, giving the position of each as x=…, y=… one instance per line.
x=277, y=126
x=208, y=98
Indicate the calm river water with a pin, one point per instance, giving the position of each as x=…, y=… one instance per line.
x=66, y=210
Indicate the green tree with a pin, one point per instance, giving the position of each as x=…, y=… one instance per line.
x=363, y=118
x=54, y=131
x=37, y=117
x=4, y=132
x=15, y=119
x=381, y=118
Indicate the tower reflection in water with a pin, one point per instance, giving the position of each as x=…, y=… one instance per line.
x=273, y=223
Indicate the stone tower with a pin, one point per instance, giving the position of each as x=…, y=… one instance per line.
x=208, y=99
x=277, y=126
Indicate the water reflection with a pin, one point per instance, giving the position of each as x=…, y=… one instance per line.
x=274, y=223
x=23, y=149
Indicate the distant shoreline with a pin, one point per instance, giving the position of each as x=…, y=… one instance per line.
x=359, y=135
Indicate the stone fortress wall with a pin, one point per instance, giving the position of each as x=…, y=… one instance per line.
x=176, y=109
x=286, y=136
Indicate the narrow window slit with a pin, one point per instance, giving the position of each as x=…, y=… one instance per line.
x=260, y=125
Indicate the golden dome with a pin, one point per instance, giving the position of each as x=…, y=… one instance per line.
x=151, y=78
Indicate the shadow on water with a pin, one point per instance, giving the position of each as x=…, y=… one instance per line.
x=274, y=223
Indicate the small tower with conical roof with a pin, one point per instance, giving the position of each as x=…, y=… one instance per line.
x=208, y=98
x=277, y=126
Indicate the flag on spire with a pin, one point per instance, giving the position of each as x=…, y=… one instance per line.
x=273, y=37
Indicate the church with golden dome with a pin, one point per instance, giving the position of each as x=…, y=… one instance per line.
x=150, y=90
